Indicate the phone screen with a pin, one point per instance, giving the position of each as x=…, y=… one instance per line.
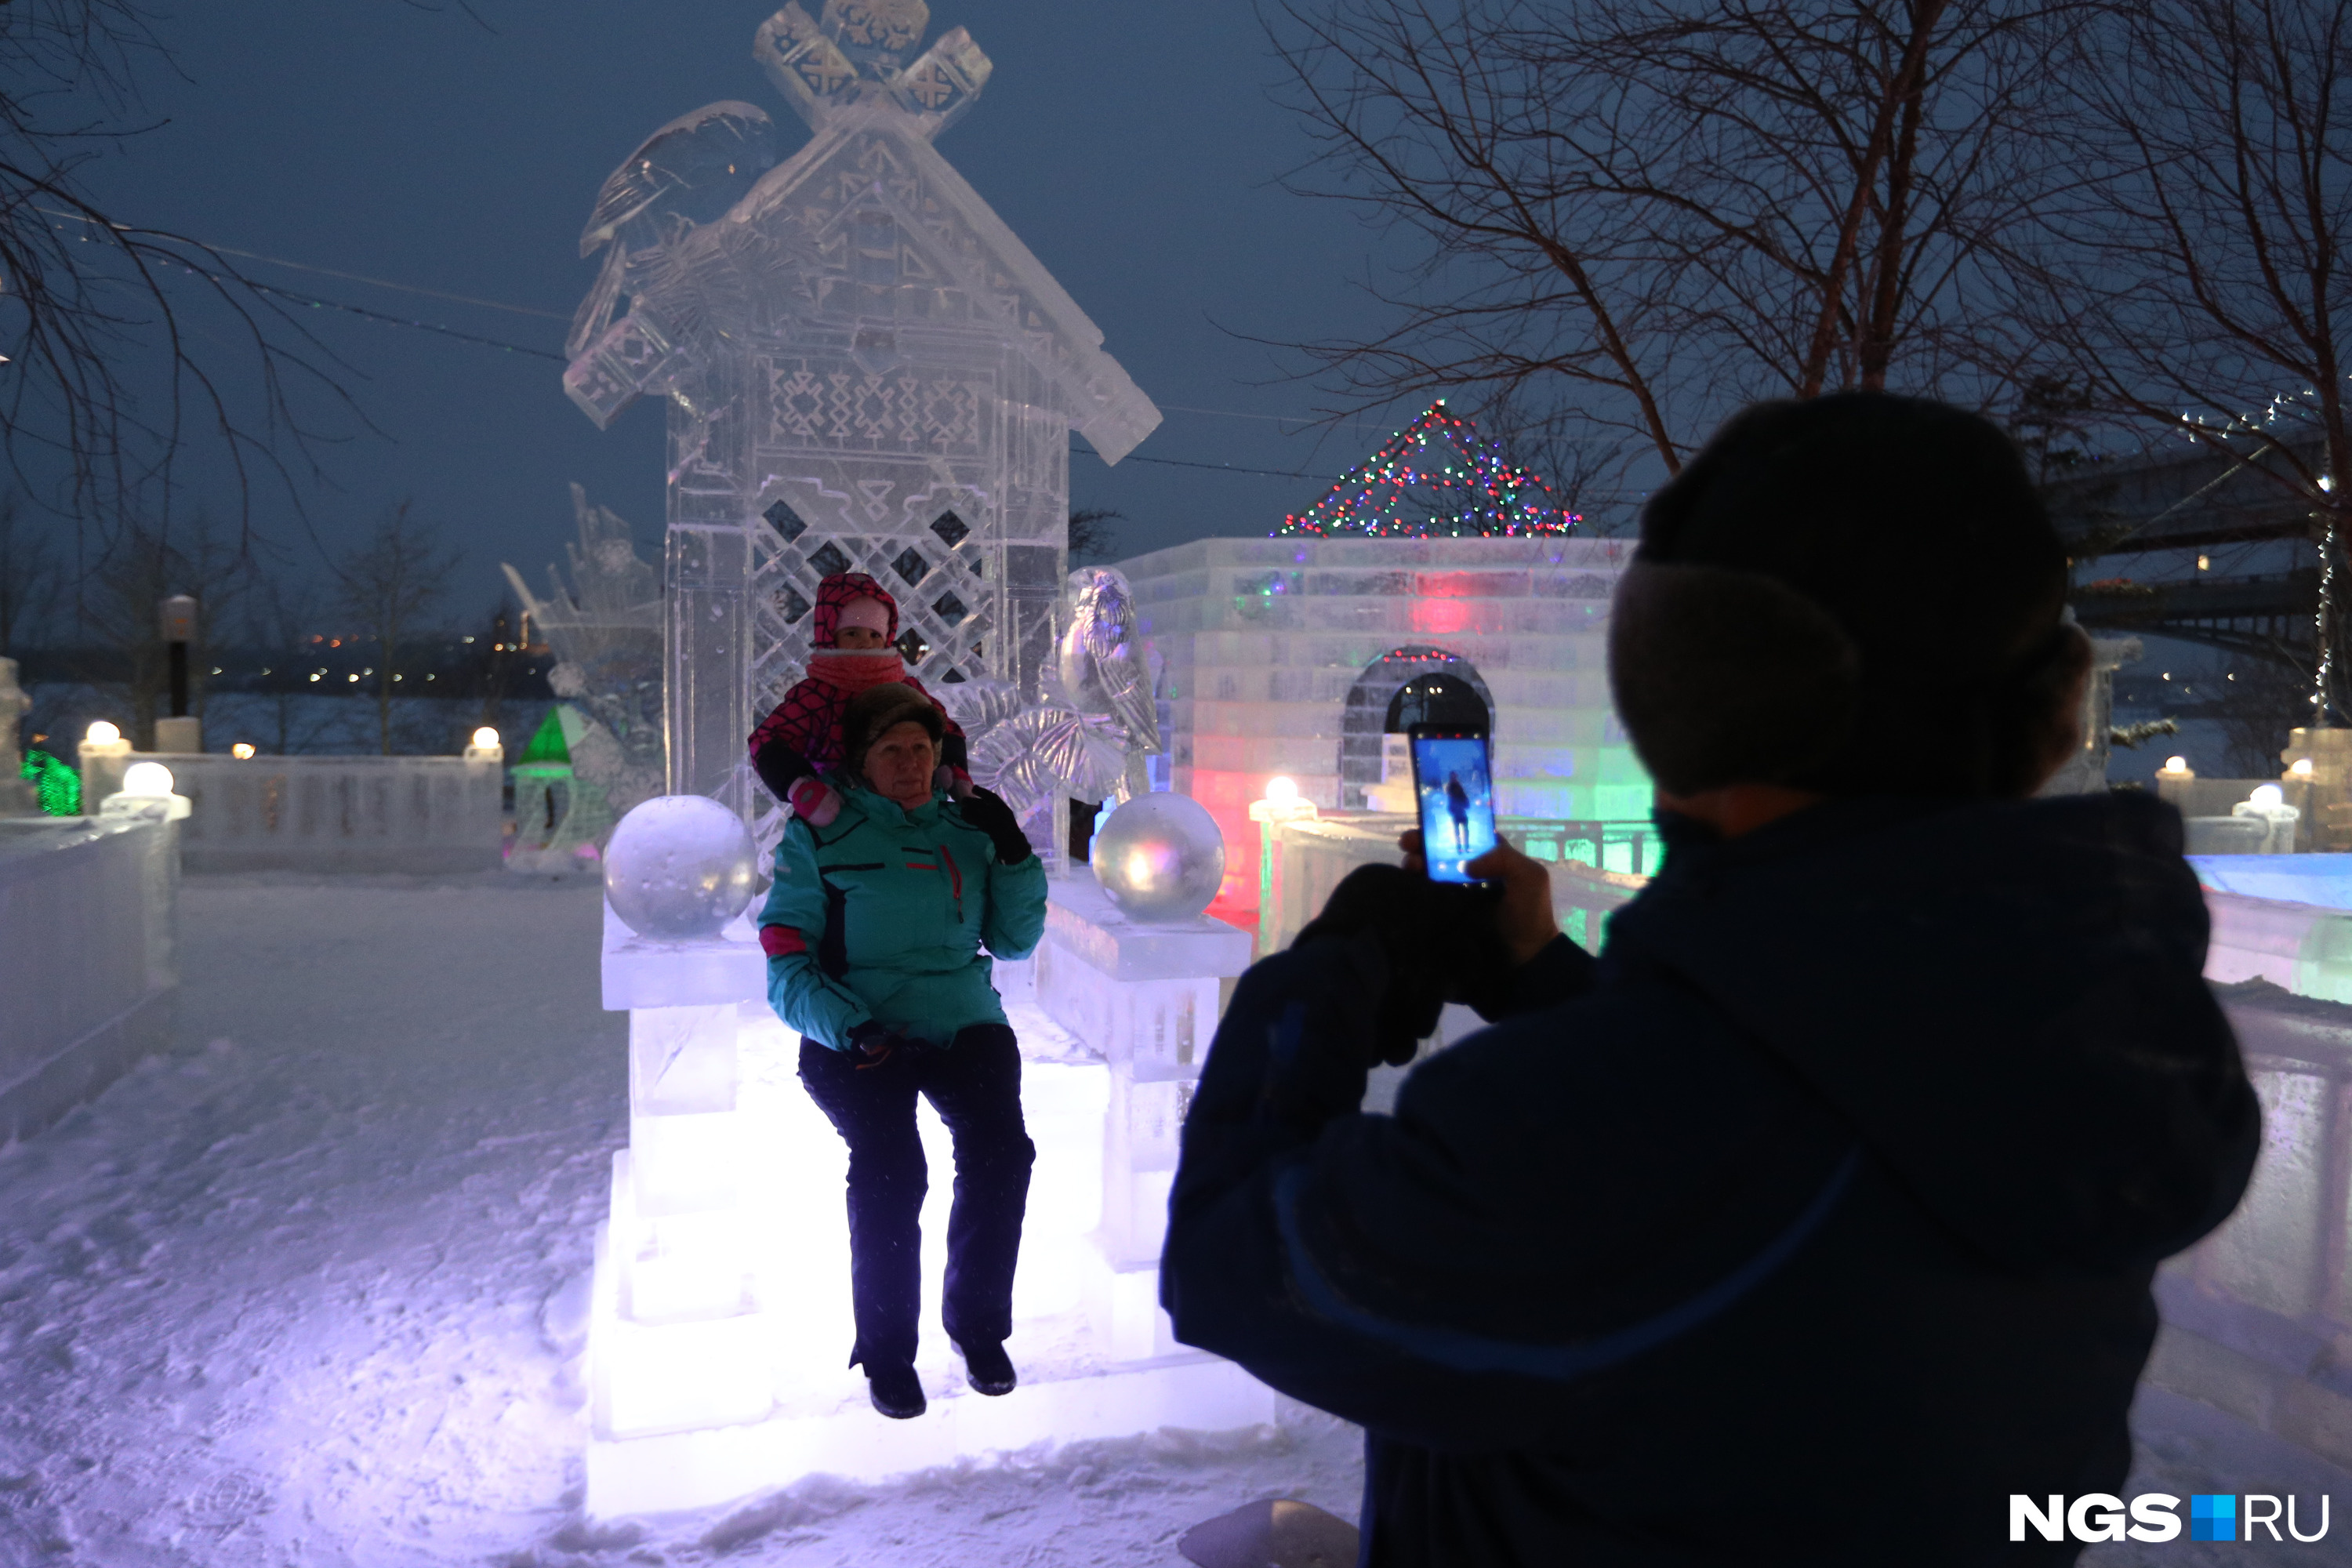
x=1457, y=791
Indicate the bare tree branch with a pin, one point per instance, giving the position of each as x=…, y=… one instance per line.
x=1643, y=214
x=2195, y=277
x=101, y=389
x=28, y=575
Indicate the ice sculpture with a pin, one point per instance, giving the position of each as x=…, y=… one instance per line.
x=560, y=818
x=1160, y=858
x=719, y=1318
x=676, y=1339
x=681, y=867
x=1143, y=992
x=607, y=631
x=2267, y=805
x=1105, y=667
x=980, y=705
x=865, y=369
x=18, y=797
x=1047, y=753
x=1088, y=739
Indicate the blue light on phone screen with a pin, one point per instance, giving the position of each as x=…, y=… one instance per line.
x=1457, y=803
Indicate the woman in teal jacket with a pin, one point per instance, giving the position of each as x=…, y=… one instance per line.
x=874, y=930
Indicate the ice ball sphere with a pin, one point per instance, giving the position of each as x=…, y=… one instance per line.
x=679, y=867
x=1160, y=858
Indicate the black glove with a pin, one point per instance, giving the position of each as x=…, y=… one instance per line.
x=875, y=1041
x=985, y=810
x=1440, y=942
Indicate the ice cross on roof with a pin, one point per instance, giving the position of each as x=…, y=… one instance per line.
x=851, y=56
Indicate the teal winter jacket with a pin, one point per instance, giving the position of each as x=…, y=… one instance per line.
x=882, y=914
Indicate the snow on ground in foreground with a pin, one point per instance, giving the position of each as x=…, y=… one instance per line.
x=283, y=1295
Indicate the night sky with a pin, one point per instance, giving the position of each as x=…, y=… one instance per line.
x=1136, y=150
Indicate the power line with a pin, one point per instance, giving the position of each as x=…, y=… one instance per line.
x=1275, y=419
x=555, y=316
x=1221, y=468
x=386, y=283
x=544, y=353
x=397, y=321
x=331, y=272
x=313, y=302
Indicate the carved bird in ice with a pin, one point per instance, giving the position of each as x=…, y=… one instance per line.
x=690, y=172
x=1105, y=664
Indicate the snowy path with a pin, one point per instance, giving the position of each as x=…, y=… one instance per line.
x=280, y=1297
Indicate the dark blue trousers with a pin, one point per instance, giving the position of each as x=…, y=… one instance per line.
x=975, y=1086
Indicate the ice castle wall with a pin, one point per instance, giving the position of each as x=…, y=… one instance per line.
x=1263, y=640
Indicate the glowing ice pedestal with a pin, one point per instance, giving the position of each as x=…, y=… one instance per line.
x=721, y=1320
x=1146, y=996
x=678, y=1339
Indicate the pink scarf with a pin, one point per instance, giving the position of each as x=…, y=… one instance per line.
x=851, y=671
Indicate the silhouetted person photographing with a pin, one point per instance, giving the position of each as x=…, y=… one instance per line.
x=1818, y=1216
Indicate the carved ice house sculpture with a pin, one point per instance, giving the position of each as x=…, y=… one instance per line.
x=865, y=369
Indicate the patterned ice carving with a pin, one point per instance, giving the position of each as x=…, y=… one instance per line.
x=865, y=370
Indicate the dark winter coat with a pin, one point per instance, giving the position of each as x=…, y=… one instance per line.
x=1807, y=1225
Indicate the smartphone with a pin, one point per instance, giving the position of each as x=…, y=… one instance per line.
x=1455, y=784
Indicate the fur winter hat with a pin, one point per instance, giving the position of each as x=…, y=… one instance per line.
x=871, y=714
x=1855, y=594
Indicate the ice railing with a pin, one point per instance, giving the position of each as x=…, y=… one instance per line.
x=1595, y=866
x=415, y=815
x=87, y=966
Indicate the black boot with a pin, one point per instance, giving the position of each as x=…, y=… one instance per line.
x=988, y=1369
x=896, y=1391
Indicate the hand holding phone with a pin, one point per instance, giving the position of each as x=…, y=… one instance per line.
x=1524, y=917
x=1453, y=781
x=1437, y=941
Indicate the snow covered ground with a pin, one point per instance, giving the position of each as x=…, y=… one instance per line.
x=307, y=1290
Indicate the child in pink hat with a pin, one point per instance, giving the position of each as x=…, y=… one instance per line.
x=857, y=620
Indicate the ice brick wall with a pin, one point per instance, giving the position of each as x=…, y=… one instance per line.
x=1264, y=638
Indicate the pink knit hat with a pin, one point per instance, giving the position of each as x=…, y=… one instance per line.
x=871, y=614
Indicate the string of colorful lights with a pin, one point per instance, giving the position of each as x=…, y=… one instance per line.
x=1435, y=478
